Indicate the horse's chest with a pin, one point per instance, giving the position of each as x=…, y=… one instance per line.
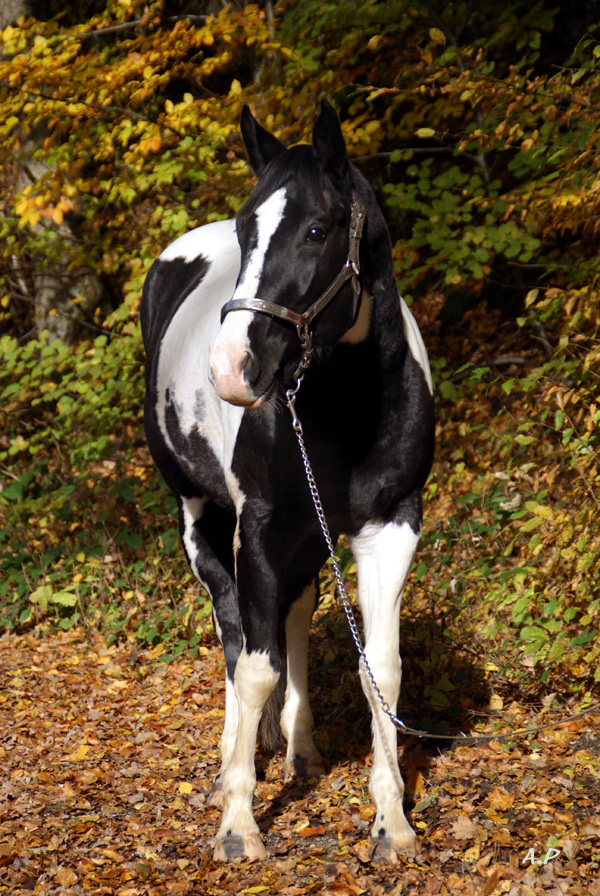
x=345, y=451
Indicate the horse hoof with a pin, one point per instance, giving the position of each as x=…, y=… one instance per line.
x=389, y=850
x=300, y=767
x=234, y=846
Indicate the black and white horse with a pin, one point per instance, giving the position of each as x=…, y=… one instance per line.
x=309, y=254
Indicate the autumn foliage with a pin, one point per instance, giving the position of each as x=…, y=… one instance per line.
x=478, y=128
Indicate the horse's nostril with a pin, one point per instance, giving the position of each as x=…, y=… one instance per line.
x=251, y=368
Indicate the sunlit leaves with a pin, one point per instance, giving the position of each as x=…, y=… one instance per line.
x=484, y=164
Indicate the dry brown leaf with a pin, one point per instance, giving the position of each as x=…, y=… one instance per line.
x=500, y=799
x=464, y=829
x=66, y=877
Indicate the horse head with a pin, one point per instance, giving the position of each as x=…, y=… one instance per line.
x=299, y=235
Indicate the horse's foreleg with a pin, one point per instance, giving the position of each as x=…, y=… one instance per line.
x=256, y=673
x=207, y=535
x=383, y=555
x=239, y=836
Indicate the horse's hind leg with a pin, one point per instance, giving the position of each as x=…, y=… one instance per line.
x=302, y=759
x=383, y=556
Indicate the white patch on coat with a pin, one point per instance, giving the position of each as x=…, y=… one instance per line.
x=254, y=680
x=296, y=716
x=384, y=556
x=191, y=509
x=208, y=241
x=183, y=357
x=230, y=727
x=415, y=342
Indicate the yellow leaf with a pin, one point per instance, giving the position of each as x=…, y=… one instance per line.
x=185, y=787
x=544, y=511
x=472, y=854
x=207, y=37
x=437, y=36
x=236, y=87
x=496, y=702
x=258, y=889
x=80, y=754
x=531, y=297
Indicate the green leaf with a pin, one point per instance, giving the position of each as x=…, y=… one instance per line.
x=533, y=633
x=41, y=596
x=64, y=598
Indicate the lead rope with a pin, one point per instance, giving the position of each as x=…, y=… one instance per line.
x=291, y=395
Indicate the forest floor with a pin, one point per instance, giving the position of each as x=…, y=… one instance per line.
x=107, y=757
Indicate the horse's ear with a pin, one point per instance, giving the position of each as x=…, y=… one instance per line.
x=261, y=146
x=328, y=141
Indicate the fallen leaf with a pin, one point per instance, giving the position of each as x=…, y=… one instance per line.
x=464, y=829
x=491, y=882
x=80, y=754
x=472, y=854
x=284, y=866
x=501, y=799
x=571, y=848
x=114, y=855
x=311, y=832
x=66, y=877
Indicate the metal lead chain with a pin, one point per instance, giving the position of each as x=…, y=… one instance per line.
x=291, y=395
x=340, y=582
x=305, y=337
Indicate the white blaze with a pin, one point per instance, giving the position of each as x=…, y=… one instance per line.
x=230, y=349
x=268, y=218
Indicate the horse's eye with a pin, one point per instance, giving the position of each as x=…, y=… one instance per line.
x=315, y=235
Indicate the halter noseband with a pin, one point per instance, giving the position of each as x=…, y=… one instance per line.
x=350, y=271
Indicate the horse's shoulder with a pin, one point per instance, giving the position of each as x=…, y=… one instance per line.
x=200, y=261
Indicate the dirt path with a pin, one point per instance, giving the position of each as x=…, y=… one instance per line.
x=106, y=758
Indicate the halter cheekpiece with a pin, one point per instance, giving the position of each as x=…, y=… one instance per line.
x=350, y=271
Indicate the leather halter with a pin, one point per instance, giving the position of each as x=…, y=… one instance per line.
x=350, y=271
